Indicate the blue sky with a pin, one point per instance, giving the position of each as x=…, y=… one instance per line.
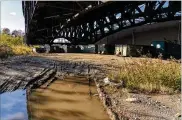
x=13, y=105
x=12, y=15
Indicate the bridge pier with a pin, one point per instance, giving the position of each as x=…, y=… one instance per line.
x=96, y=49
x=133, y=38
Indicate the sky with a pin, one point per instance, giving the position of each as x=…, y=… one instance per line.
x=12, y=15
x=13, y=105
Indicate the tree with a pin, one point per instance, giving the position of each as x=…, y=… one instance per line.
x=14, y=33
x=17, y=33
x=20, y=33
x=6, y=31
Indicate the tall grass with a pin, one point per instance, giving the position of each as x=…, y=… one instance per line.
x=13, y=46
x=148, y=75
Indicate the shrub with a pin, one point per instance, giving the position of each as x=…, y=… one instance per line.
x=13, y=46
x=5, y=51
x=149, y=75
x=21, y=50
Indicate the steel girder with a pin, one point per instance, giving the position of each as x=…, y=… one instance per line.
x=42, y=17
x=91, y=25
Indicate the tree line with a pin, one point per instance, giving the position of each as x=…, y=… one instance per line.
x=14, y=33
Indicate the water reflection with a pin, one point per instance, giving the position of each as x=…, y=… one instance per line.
x=13, y=105
x=68, y=99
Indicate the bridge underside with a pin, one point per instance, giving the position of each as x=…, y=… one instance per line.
x=88, y=22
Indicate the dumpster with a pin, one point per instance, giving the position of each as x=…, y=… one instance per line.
x=167, y=49
x=106, y=49
x=135, y=50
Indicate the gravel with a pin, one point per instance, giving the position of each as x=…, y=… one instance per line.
x=146, y=107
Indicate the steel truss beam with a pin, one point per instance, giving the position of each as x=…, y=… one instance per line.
x=88, y=28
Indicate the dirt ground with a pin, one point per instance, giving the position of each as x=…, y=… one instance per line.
x=109, y=63
x=91, y=58
x=148, y=107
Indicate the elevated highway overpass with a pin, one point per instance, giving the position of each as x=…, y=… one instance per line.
x=89, y=22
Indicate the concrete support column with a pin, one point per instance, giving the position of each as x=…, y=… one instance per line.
x=107, y=40
x=179, y=33
x=48, y=48
x=133, y=38
x=96, y=49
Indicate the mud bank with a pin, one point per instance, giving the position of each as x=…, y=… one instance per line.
x=31, y=72
x=21, y=72
x=106, y=100
x=124, y=105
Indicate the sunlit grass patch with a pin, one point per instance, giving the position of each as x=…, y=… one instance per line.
x=21, y=50
x=148, y=75
x=13, y=46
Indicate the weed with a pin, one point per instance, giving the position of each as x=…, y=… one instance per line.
x=12, y=46
x=149, y=75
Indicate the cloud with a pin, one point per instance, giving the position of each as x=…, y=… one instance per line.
x=7, y=106
x=13, y=100
x=13, y=13
x=17, y=116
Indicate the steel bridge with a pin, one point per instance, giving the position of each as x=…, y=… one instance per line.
x=86, y=22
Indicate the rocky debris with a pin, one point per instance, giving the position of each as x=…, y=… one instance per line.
x=106, y=102
x=95, y=94
x=134, y=106
x=177, y=117
x=132, y=100
x=106, y=81
x=142, y=107
x=113, y=83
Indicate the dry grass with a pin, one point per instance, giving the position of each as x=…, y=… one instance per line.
x=5, y=51
x=13, y=46
x=21, y=50
x=151, y=76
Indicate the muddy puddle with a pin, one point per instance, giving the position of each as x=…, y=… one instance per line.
x=13, y=105
x=68, y=99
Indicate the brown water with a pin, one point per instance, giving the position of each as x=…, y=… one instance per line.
x=68, y=99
